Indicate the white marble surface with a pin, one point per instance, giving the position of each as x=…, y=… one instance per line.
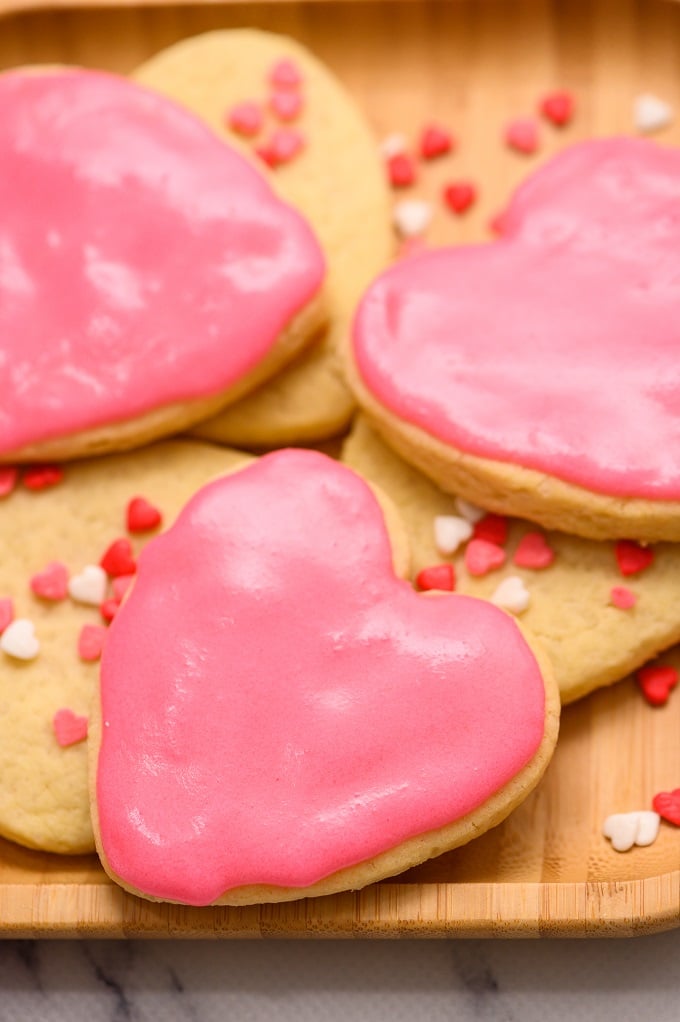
x=199, y=981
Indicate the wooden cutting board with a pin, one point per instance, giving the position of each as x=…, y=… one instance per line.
x=547, y=870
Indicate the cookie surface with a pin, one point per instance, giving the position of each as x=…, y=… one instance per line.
x=337, y=182
x=536, y=375
x=149, y=273
x=44, y=800
x=289, y=717
x=591, y=641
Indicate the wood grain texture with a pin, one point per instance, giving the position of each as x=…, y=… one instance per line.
x=546, y=871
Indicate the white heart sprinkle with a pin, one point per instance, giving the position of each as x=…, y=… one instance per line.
x=449, y=532
x=90, y=586
x=627, y=829
x=412, y=217
x=651, y=113
x=512, y=595
x=18, y=640
x=393, y=145
x=470, y=512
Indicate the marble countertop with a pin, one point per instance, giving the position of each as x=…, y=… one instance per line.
x=324, y=981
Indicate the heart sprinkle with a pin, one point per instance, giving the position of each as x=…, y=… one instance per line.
x=558, y=107
x=285, y=74
x=412, y=217
x=522, y=136
x=141, y=516
x=622, y=597
x=392, y=145
x=667, y=804
x=119, y=559
x=656, y=682
x=627, y=829
x=108, y=609
x=459, y=196
x=6, y=612
x=52, y=582
x=401, y=170
x=91, y=642
x=18, y=640
x=469, y=511
x=245, y=118
x=651, y=113
x=69, y=728
x=493, y=528
x=632, y=558
x=449, y=532
x=435, y=141
x=40, y=477
x=89, y=586
x=482, y=557
x=512, y=595
x=534, y=552
x=287, y=106
x=8, y=479
x=282, y=146
x=120, y=585
x=438, y=576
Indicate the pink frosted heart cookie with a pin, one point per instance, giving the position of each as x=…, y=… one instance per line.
x=149, y=274
x=283, y=715
x=537, y=375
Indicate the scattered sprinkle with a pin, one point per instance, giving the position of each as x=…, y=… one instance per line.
x=482, y=557
x=622, y=597
x=287, y=106
x=245, y=118
x=522, y=136
x=40, y=477
x=656, y=682
x=18, y=640
x=435, y=141
x=437, y=576
x=91, y=642
x=52, y=582
x=286, y=74
x=627, y=829
x=533, y=551
x=6, y=612
x=8, y=479
x=492, y=527
x=471, y=512
x=459, y=196
x=89, y=586
x=401, y=170
x=121, y=586
x=667, y=804
x=412, y=217
x=283, y=145
x=512, y=595
x=651, y=114
x=141, y=516
x=392, y=145
x=108, y=609
x=119, y=559
x=69, y=728
x=449, y=532
x=631, y=557
x=558, y=107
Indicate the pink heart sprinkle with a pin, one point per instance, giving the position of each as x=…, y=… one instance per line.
x=120, y=586
x=91, y=642
x=459, y=196
x=481, y=556
x=6, y=612
x=282, y=146
x=52, y=582
x=558, y=107
x=69, y=728
x=401, y=170
x=245, y=118
x=435, y=141
x=622, y=597
x=285, y=74
x=286, y=105
x=534, y=552
x=8, y=479
x=522, y=136
x=632, y=558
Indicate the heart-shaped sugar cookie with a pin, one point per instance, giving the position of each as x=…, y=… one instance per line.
x=148, y=273
x=281, y=714
x=537, y=375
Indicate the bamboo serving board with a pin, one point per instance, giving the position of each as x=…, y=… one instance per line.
x=547, y=871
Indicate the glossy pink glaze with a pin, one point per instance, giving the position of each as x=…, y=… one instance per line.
x=555, y=347
x=142, y=261
x=277, y=705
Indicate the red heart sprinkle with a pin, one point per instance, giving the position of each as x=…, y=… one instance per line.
x=459, y=196
x=52, y=582
x=533, y=551
x=438, y=576
x=286, y=105
x=121, y=586
x=622, y=597
x=119, y=559
x=142, y=516
x=401, y=170
x=285, y=74
x=91, y=642
x=656, y=682
x=482, y=556
x=39, y=477
x=633, y=558
x=8, y=479
x=558, y=107
x=108, y=609
x=283, y=146
x=493, y=528
x=667, y=804
x=435, y=141
x=69, y=728
x=522, y=136
x=6, y=612
x=245, y=118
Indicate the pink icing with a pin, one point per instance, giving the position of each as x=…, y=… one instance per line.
x=142, y=261
x=555, y=347
x=277, y=705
